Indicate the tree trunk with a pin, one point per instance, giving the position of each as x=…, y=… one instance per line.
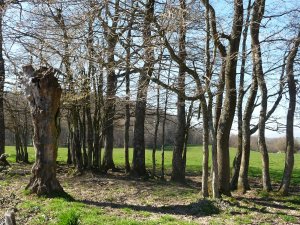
x=108, y=162
x=164, y=128
x=76, y=138
x=257, y=15
x=90, y=135
x=178, y=168
x=228, y=110
x=289, y=152
x=127, y=82
x=205, y=152
x=2, y=81
x=238, y=157
x=138, y=162
x=43, y=93
x=25, y=137
x=243, y=184
x=127, y=125
x=83, y=138
x=155, y=133
x=91, y=74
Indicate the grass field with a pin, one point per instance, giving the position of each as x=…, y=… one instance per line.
x=194, y=161
x=118, y=199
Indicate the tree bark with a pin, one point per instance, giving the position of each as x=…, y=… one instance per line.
x=238, y=157
x=43, y=92
x=155, y=132
x=257, y=15
x=108, y=162
x=228, y=109
x=138, y=162
x=2, y=81
x=289, y=152
x=243, y=184
x=178, y=168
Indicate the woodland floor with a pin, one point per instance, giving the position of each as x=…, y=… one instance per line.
x=118, y=199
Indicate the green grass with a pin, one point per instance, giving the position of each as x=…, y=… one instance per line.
x=63, y=212
x=194, y=161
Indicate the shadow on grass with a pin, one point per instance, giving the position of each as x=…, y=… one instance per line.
x=268, y=202
x=201, y=208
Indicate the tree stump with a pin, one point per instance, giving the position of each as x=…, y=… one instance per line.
x=43, y=93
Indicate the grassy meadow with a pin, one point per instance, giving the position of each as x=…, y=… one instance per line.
x=194, y=161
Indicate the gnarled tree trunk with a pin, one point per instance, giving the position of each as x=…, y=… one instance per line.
x=43, y=92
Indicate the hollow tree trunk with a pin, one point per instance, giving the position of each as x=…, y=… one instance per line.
x=43, y=93
x=289, y=152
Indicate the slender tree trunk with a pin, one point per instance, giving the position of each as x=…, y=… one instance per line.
x=127, y=124
x=108, y=162
x=289, y=152
x=76, y=139
x=186, y=133
x=91, y=73
x=69, y=158
x=43, y=85
x=204, y=107
x=205, y=152
x=90, y=135
x=2, y=81
x=164, y=127
x=127, y=81
x=178, y=168
x=257, y=15
x=243, y=183
x=17, y=140
x=25, y=137
x=155, y=132
x=238, y=157
x=83, y=137
x=219, y=97
x=163, y=137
